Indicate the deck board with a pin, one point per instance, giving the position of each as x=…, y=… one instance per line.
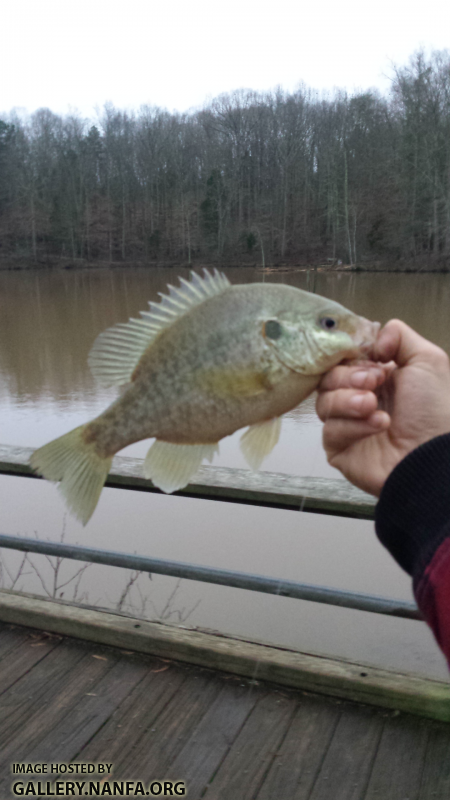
x=163, y=738
x=298, y=760
x=18, y=658
x=227, y=737
x=45, y=715
x=254, y=749
x=29, y=696
x=435, y=780
x=348, y=762
x=9, y=640
x=210, y=741
x=69, y=731
x=400, y=759
x=149, y=728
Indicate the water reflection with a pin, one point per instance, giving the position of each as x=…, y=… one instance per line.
x=48, y=321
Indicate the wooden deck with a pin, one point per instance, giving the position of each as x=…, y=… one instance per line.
x=66, y=700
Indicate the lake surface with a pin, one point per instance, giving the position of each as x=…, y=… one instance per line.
x=48, y=322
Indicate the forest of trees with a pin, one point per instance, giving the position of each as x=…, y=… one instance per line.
x=272, y=178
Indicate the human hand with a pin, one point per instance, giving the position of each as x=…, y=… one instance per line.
x=375, y=413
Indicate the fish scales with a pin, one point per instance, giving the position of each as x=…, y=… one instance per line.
x=204, y=378
x=223, y=358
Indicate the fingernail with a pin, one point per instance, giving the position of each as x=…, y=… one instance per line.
x=356, y=401
x=359, y=378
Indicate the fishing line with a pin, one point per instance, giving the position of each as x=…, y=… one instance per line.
x=303, y=501
x=254, y=681
x=311, y=286
x=315, y=450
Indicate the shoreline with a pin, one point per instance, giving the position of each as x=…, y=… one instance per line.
x=53, y=264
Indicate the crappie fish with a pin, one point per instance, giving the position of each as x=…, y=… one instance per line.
x=208, y=359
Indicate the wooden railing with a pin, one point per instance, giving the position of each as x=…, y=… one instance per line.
x=274, y=490
x=325, y=675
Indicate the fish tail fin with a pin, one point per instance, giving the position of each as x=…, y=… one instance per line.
x=78, y=467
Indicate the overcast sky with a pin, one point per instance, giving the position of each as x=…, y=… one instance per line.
x=177, y=54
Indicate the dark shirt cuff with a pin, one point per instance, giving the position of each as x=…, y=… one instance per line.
x=412, y=517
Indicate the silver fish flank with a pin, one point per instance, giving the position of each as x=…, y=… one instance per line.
x=208, y=359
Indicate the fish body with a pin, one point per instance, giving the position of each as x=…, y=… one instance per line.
x=209, y=359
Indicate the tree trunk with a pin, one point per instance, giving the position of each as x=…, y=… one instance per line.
x=88, y=241
x=435, y=227
x=33, y=227
x=123, y=224
x=283, y=230
x=346, y=214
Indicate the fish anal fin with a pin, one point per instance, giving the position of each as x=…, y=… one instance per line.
x=171, y=466
x=259, y=440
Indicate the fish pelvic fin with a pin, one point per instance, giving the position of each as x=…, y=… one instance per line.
x=259, y=440
x=117, y=351
x=79, y=469
x=171, y=466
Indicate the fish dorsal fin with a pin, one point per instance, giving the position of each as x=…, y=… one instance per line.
x=259, y=440
x=117, y=351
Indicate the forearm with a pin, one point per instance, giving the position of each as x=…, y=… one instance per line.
x=413, y=522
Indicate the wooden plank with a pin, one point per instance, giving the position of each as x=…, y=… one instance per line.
x=398, y=766
x=435, y=781
x=276, y=490
x=243, y=769
x=136, y=714
x=297, y=762
x=364, y=684
x=167, y=721
x=21, y=659
x=10, y=638
x=29, y=695
x=162, y=737
x=210, y=741
x=61, y=740
x=348, y=762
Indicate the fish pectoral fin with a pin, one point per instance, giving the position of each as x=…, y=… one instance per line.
x=171, y=466
x=259, y=440
x=234, y=382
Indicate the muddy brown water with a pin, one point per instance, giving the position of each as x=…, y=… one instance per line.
x=48, y=321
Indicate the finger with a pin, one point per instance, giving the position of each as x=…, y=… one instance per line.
x=345, y=403
x=339, y=434
x=400, y=343
x=366, y=375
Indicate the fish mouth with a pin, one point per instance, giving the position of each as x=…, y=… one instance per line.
x=366, y=335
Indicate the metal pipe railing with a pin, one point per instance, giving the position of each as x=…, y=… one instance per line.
x=238, y=580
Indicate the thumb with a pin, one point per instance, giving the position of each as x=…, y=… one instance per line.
x=400, y=343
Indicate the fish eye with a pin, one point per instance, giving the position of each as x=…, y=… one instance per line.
x=328, y=323
x=272, y=329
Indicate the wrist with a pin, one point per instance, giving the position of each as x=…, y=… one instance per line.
x=413, y=512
